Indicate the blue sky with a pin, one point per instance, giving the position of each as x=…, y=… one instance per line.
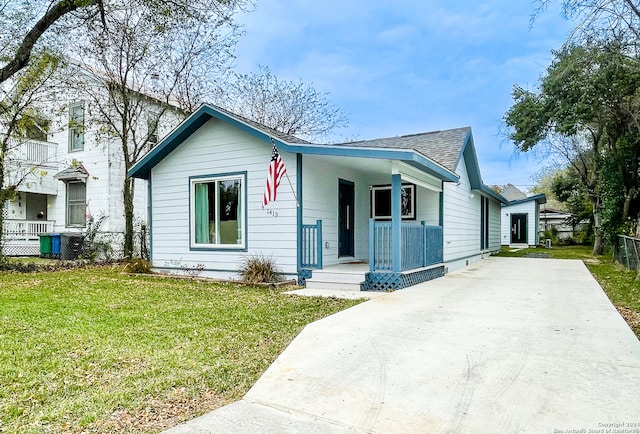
x=409, y=66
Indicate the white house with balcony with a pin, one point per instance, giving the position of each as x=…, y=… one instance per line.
x=67, y=173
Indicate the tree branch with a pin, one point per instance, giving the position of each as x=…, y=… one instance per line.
x=23, y=53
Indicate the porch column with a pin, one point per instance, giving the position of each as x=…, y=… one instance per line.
x=396, y=222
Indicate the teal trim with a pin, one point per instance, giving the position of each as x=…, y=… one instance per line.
x=468, y=151
x=142, y=169
x=299, y=209
x=540, y=198
x=245, y=201
x=150, y=218
x=396, y=222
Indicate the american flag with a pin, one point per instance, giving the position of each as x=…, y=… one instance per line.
x=276, y=172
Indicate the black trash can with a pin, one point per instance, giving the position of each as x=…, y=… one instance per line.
x=71, y=245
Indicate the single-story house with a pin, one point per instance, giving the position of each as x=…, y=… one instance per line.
x=521, y=220
x=401, y=209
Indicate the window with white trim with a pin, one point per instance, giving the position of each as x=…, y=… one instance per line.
x=76, y=126
x=76, y=203
x=217, y=212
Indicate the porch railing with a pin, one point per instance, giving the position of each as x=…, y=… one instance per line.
x=312, y=245
x=25, y=230
x=421, y=246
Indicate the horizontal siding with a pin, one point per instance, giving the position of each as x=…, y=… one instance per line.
x=494, y=224
x=461, y=218
x=532, y=224
x=216, y=148
x=320, y=177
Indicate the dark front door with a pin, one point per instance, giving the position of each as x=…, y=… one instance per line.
x=518, y=228
x=346, y=215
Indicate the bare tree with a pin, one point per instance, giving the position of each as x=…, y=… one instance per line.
x=291, y=107
x=144, y=74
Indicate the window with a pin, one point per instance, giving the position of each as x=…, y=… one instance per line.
x=217, y=212
x=381, y=202
x=484, y=223
x=152, y=129
x=76, y=200
x=76, y=127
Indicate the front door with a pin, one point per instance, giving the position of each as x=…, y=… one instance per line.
x=346, y=215
x=518, y=228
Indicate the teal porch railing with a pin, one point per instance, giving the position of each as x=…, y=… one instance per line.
x=422, y=246
x=311, y=255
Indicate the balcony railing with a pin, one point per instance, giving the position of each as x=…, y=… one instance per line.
x=33, y=152
x=25, y=230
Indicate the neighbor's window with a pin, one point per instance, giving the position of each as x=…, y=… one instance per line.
x=76, y=126
x=152, y=129
x=76, y=200
x=217, y=212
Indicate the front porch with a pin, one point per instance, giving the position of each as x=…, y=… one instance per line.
x=416, y=256
x=21, y=237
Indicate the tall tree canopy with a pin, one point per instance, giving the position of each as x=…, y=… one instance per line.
x=584, y=111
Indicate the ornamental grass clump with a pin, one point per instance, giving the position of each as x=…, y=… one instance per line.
x=259, y=269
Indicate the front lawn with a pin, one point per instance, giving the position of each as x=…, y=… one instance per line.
x=618, y=282
x=93, y=350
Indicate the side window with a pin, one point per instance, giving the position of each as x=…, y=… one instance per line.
x=152, y=130
x=76, y=126
x=217, y=212
x=76, y=203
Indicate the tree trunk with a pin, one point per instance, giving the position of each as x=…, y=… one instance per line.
x=598, y=240
x=127, y=197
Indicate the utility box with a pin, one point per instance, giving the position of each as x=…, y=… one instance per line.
x=71, y=245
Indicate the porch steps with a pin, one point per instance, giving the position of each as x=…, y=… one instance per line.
x=336, y=279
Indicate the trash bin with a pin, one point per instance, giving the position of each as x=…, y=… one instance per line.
x=45, y=245
x=70, y=245
x=55, y=246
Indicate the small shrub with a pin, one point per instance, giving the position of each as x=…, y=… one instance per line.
x=138, y=266
x=259, y=269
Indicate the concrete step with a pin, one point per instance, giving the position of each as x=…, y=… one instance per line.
x=336, y=276
x=323, y=284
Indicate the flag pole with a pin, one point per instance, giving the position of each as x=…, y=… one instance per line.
x=295, y=196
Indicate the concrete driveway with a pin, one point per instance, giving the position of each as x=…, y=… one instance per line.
x=507, y=345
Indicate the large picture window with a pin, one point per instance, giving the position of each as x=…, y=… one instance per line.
x=76, y=203
x=217, y=212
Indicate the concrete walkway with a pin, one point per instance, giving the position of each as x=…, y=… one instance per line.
x=507, y=345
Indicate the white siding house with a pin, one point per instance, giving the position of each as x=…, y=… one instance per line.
x=407, y=207
x=74, y=173
x=521, y=220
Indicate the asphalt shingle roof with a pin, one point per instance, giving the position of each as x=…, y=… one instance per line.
x=443, y=147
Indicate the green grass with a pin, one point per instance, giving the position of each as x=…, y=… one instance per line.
x=94, y=350
x=619, y=283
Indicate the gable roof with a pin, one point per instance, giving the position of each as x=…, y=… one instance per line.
x=437, y=153
x=540, y=198
x=511, y=192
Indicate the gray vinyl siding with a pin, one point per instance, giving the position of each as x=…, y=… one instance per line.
x=215, y=149
x=494, y=224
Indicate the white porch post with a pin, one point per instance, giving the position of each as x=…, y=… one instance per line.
x=396, y=221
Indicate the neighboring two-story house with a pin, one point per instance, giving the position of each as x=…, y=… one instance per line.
x=69, y=171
